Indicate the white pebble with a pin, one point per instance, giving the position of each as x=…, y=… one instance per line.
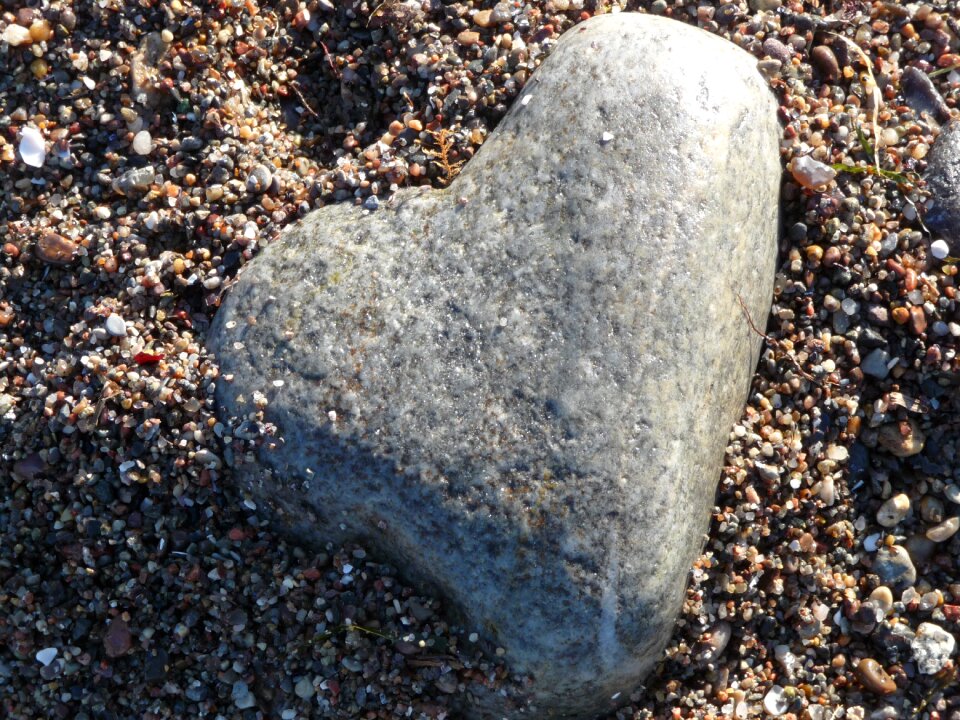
x=32, y=148
x=932, y=647
x=893, y=510
x=811, y=173
x=143, y=143
x=775, y=701
x=46, y=656
x=606, y=137
x=16, y=35
x=116, y=326
x=939, y=249
x=945, y=530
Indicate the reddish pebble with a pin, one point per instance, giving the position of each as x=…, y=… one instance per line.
x=468, y=38
x=910, y=280
x=56, y=249
x=918, y=320
x=236, y=534
x=116, y=641
x=875, y=678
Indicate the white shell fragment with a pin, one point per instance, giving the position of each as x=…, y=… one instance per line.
x=32, y=148
x=939, y=249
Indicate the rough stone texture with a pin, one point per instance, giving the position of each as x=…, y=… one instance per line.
x=519, y=389
x=943, y=180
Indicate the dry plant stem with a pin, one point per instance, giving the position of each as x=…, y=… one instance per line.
x=874, y=90
x=306, y=105
x=777, y=345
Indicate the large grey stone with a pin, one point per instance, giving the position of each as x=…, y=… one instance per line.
x=519, y=389
x=943, y=181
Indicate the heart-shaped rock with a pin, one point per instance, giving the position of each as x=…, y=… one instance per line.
x=519, y=389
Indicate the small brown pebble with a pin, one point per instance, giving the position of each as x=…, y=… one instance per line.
x=875, y=678
x=825, y=62
x=468, y=38
x=918, y=320
x=900, y=315
x=116, y=641
x=7, y=316
x=831, y=256
x=11, y=249
x=56, y=249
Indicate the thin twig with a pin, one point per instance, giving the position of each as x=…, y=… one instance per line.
x=296, y=88
x=329, y=58
x=778, y=345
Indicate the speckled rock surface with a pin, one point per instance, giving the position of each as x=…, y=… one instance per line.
x=943, y=180
x=519, y=389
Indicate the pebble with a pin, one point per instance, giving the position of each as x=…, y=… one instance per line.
x=811, y=173
x=241, y=695
x=778, y=51
x=46, y=656
x=876, y=364
x=501, y=13
x=259, y=179
x=304, y=688
x=117, y=639
x=932, y=647
x=882, y=598
x=16, y=35
x=945, y=530
x=56, y=249
x=30, y=466
x=718, y=637
x=136, y=179
x=142, y=143
x=952, y=493
x=776, y=702
x=893, y=510
x=902, y=439
x=939, y=249
x=33, y=149
x=893, y=566
x=824, y=60
x=875, y=678
x=115, y=325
